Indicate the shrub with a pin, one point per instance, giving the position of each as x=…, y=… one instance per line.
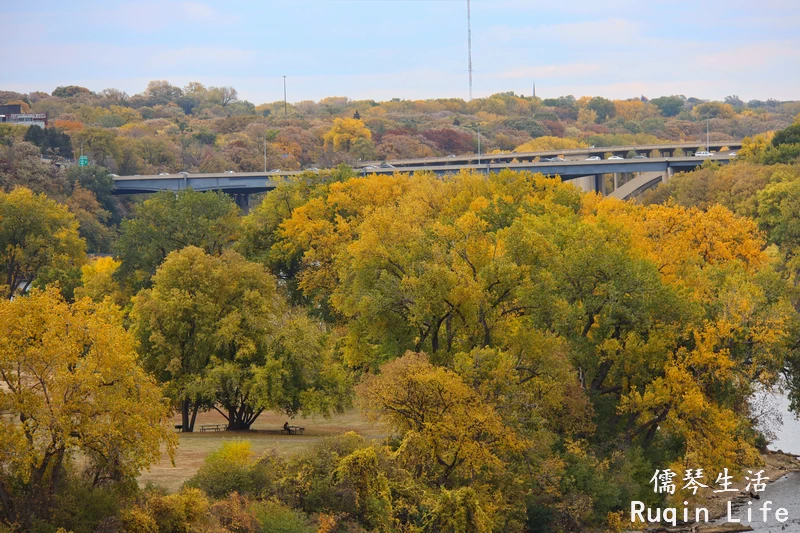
x=226, y=470
x=235, y=516
x=275, y=517
x=184, y=512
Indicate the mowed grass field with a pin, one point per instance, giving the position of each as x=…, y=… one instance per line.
x=265, y=435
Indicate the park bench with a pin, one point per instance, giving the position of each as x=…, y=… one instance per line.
x=213, y=427
x=293, y=430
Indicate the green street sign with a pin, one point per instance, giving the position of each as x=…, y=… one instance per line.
x=83, y=161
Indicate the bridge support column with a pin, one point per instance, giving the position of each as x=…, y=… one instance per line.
x=616, y=181
x=243, y=201
x=599, y=183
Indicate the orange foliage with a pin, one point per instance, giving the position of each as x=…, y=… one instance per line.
x=68, y=125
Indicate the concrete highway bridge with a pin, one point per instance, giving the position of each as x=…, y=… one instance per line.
x=649, y=150
x=622, y=178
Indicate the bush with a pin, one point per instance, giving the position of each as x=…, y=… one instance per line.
x=184, y=512
x=226, y=470
x=80, y=508
x=138, y=521
x=275, y=517
x=235, y=516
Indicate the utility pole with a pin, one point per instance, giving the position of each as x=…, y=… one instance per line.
x=469, y=48
x=479, y=143
x=284, y=96
x=708, y=144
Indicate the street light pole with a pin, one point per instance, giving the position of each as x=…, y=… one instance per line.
x=284, y=96
x=479, y=143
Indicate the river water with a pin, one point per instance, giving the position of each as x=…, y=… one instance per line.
x=784, y=492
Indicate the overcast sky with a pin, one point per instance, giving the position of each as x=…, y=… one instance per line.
x=411, y=49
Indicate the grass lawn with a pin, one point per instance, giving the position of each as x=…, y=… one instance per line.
x=264, y=435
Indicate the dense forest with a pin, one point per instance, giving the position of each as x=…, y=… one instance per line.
x=533, y=352
x=209, y=129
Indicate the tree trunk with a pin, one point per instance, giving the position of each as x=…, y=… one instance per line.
x=238, y=424
x=185, y=424
x=194, y=417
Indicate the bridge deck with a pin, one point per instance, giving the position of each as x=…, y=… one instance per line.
x=253, y=182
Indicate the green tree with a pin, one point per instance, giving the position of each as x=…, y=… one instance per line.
x=216, y=331
x=70, y=90
x=604, y=108
x=169, y=221
x=789, y=135
x=668, y=105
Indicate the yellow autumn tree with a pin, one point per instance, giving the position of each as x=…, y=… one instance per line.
x=344, y=133
x=98, y=283
x=541, y=144
x=635, y=109
x=36, y=233
x=446, y=429
x=71, y=386
x=723, y=328
x=754, y=147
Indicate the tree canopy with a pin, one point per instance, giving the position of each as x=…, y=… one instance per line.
x=71, y=385
x=36, y=233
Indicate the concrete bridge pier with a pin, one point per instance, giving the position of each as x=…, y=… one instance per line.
x=242, y=200
x=599, y=183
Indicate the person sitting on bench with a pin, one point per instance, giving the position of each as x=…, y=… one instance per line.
x=287, y=428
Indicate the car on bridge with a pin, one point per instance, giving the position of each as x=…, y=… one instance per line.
x=640, y=156
x=593, y=158
x=703, y=153
x=556, y=159
x=615, y=157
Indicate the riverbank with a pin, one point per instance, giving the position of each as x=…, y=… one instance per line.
x=776, y=465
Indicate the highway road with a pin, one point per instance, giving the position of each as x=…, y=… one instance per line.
x=246, y=183
x=664, y=150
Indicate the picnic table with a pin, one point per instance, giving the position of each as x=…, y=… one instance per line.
x=213, y=427
x=292, y=430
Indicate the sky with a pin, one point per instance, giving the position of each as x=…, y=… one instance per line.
x=409, y=49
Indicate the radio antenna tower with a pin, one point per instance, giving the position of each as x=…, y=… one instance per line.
x=469, y=49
